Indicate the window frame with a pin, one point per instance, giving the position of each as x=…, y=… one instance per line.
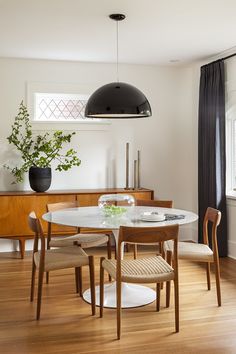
x=231, y=143
x=33, y=88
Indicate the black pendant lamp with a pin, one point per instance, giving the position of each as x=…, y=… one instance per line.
x=117, y=99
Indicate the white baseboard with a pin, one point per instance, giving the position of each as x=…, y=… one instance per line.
x=13, y=245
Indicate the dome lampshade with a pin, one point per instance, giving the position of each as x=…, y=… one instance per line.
x=117, y=100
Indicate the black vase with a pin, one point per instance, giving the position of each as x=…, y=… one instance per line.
x=40, y=178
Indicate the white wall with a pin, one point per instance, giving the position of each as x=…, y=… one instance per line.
x=168, y=140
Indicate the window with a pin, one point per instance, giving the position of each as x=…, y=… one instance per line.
x=60, y=107
x=231, y=150
x=230, y=100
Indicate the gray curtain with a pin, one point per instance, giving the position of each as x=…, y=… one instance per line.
x=211, y=148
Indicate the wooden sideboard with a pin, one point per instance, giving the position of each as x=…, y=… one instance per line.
x=16, y=206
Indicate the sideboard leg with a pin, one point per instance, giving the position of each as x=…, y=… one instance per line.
x=22, y=247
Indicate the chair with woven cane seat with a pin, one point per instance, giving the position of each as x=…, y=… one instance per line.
x=153, y=203
x=85, y=240
x=55, y=259
x=146, y=270
x=201, y=252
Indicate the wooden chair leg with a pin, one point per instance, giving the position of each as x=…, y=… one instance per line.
x=127, y=247
x=77, y=281
x=217, y=275
x=32, y=281
x=101, y=287
x=169, y=261
x=135, y=251
x=48, y=248
x=22, y=247
x=80, y=281
x=40, y=288
x=161, y=250
x=162, y=253
x=47, y=277
x=176, y=286
x=92, y=284
x=158, y=296
x=208, y=273
x=109, y=253
x=118, y=307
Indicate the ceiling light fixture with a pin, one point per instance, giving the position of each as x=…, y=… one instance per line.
x=117, y=99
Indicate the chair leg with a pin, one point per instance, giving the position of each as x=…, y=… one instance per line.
x=176, y=286
x=158, y=296
x=48, y=248
x=80, y=281
x=127, y=247
x=162, y=253
x=101, y=287
x=169, y=261
x=47, y=277
x=217, y=275
x=208, y=272
x=161, y=250
x=109, y=253
x=92, y=284
x=135, y=251
x=118, y=307
x=77, y=280
x=40, y=288
x=32, y=281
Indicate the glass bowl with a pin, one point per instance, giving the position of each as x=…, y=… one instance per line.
x=115, y=204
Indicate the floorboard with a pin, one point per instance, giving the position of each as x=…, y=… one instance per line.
x=67, y=327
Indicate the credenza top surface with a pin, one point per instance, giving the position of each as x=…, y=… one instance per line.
x=74, y=191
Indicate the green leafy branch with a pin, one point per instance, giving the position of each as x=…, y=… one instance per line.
x=41, y=150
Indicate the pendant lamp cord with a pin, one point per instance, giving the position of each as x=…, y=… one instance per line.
x=117, y=51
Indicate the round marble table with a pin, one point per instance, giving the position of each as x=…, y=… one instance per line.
x=133, y=295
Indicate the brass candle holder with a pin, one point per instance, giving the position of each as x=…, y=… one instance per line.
x=127, y=167
x=135, y=174
x=138, y=171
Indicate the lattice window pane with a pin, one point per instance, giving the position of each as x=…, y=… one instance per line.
x=60, y=107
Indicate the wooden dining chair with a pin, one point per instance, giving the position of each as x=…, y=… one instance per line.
x=201, y=252
x=153, y=203
x=55, y=259
x=84, y=240
x=146, y=270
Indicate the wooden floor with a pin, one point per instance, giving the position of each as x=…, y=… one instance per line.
x=67, y=327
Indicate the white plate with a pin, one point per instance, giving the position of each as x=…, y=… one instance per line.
x=152, y=217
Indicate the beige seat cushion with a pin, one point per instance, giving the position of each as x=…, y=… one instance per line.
x=145, y=270
x=61, y=258
x=192, y=251
x=84, y=240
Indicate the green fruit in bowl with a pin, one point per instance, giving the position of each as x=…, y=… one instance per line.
x=111, y=210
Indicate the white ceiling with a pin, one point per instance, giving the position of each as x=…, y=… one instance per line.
x=155, y=31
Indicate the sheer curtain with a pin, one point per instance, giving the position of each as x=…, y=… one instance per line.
x=211, y=148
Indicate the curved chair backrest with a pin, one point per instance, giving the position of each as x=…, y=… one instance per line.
x=155, y=203
x=34, y=223
x=148, y=234
x=59, y=206
x=145, y=235
x=214, y=216
x=36, y=226
x=62, y=205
